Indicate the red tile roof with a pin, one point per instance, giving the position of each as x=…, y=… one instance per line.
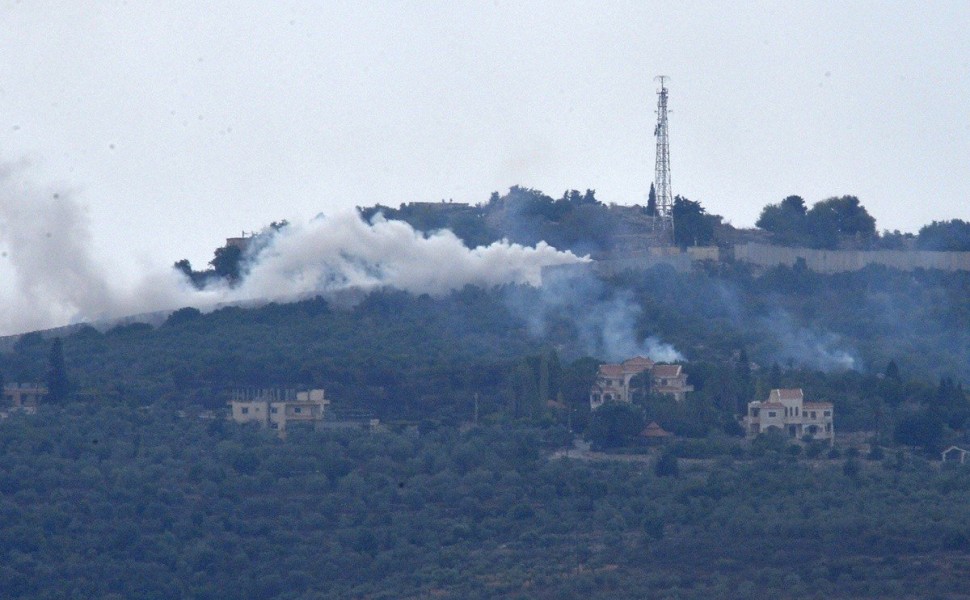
x=666, y=371
x=655, y=430
x=772, y=405
x=788, y=394
x=816, y=405
x=611, y=370
x=638, y=363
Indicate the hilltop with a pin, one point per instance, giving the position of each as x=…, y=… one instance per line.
x=130, y=482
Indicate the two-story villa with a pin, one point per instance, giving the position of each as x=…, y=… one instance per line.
x=787, y=411
x=276, y=408
x=613, y=381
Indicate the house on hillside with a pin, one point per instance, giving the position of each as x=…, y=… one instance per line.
x=787, y=411
x=613, y=381
x=23, y=397
x=278, y=408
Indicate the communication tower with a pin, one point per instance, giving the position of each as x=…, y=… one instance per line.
x=664, y=220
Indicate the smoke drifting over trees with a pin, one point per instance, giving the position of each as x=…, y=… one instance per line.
x=55, y=279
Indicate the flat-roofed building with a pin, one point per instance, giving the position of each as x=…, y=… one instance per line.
x=23, y=396
x=278, y=408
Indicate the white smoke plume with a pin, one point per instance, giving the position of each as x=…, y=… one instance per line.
x=342, y=251
x=51, y=279
x=604, y=322
x=806, y=347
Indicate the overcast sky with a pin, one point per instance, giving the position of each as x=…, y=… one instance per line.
x=177, y=124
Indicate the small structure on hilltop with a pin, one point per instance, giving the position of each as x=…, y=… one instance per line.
x=613, y=381
x=786, y=410
x=23, y=397
x=954, y=453
x=243, y=242
x=278, y=408
x=654, y=434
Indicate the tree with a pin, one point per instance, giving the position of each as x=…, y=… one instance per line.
x=183, y=315
x=835, y=218
x=945, y=235
x=614, y=424
x=184, y=266
x=892, y=371
x=58, y=385
x=692, y=225
x=652, y=202
x=785, y=220
x=666, y=465
x=923, y=429
x=226, y=262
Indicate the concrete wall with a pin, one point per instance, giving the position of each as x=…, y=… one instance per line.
x=840, y=261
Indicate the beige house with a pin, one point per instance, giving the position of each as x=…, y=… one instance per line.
x=613, y=381
x=277, y=408
x=23, y=396
x=787, y=411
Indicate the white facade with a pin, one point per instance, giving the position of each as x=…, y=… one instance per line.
x=787, y=411
x=278, y=408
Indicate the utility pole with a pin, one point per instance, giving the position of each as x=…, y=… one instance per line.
x=664, y=221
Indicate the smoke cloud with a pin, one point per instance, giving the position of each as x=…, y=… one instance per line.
x=807, y=347
x=342, y=251
x=600, y=323
x=50, y=277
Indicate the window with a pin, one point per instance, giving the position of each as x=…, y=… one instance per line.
x=796, y=411
x=274, y=410
x=771, y=413
x=297, y=409
x=754, y=412
x=813, y=414
x=245, y=410
x=827, y=413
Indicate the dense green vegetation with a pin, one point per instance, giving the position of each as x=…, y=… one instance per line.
x=581, y=223
x=516, y=348
x=104, y=501
x=826, y=225
x=129, y=483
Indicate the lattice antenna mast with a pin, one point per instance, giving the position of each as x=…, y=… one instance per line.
x=665, y=200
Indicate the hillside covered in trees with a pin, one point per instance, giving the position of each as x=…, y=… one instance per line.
x=105, y=501
x=130, y=482
x=515, y=347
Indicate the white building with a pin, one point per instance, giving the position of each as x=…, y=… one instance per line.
x=276, y=408
x=613, y=381
x=787, y=411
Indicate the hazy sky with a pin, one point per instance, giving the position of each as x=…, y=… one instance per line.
x=177, y=124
